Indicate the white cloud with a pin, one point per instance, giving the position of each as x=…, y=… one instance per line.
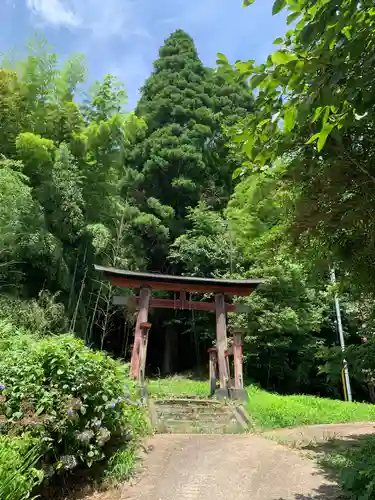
x=53, y=12
x=103, y=20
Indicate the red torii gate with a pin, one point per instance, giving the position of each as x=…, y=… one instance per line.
x=147, y=282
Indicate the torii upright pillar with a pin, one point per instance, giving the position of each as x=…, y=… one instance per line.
x=221, y=344
x=144, y=304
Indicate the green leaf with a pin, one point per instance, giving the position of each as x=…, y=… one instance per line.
x=323, y=135
x=290, y=119
x=278, y=41
x=278, y=6
x=248, y=146
x=282, y=57
x=263, y=122
x=313, y=138
x=246, y=3
x=292, y=17
x=347, y=33
x=257, y=80
x=40, y=410
x=317, y=113
x=307, y=34
x=221, y=59
x=237, y=173
x=245, y=67
x=326, y=115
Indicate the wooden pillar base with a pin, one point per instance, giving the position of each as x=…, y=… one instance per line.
x=222, y=394
x=213, y=370
x=145, y=327
x=239, y=394
x=237, y=359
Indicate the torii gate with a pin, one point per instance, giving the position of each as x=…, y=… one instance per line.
x=147, y=282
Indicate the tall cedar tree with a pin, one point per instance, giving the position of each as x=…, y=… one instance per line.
x=182, y=157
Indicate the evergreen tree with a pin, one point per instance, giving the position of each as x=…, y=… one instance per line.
x=181, y=159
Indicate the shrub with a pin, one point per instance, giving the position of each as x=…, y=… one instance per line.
x=73, y=398
x=353, y=463
x=18, y=472
x=43, y=315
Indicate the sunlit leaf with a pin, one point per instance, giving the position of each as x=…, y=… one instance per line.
x=312, y=139
x=347, y=33
x=278, y=6
x=245, y=67
x=246, y=3
x=292, y=17
x=290, y=119
x=237, y=173
x=221, y=58
x=278, y=41
x=257, y=80
x=282, y=57
x=317, y=113
x=323, y=135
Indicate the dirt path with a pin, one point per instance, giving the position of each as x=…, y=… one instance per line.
x=322, y=432
x=212, y=467
x=242, y=467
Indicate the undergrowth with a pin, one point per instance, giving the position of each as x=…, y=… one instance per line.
x=19, y=472
x=352, y=464
x=271, y=411
x=74, y=403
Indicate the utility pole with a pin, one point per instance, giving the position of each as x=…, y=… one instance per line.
x=342, y=340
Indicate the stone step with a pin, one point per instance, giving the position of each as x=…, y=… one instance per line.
x=195, y=415
x=195, y=418
x=182, y=426
x=166, y=410
x=190, y=403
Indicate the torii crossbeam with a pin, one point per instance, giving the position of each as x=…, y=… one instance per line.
x=147, y=282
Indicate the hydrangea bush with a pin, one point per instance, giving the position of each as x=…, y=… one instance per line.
x=74, y=399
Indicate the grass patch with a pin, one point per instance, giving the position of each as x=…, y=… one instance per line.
x=177, y=386
x=121, y=466
x=271, y=411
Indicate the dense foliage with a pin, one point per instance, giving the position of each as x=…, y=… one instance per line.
x=244, y=171
x=315, y=105
x=85, y=182
x=63, y=400
x=19, y=460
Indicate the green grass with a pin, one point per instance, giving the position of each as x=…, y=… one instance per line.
x=177, y=386
x=121, y=466
x=272, y=411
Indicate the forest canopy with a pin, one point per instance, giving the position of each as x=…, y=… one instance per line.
x=217, y=172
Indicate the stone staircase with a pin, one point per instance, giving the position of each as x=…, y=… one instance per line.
x=207, y=416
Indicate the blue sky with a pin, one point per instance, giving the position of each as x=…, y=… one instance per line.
x=122, y=37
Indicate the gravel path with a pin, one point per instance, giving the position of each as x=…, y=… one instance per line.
x=321, y=432
x=219, y=467
x=238, y=467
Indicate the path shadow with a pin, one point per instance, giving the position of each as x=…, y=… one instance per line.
x=324, y=492
x=348, y=462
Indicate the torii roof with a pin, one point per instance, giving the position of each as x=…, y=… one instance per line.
x=131, y=279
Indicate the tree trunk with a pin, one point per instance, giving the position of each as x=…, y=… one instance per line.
x=170, y=350
x=371, y=389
